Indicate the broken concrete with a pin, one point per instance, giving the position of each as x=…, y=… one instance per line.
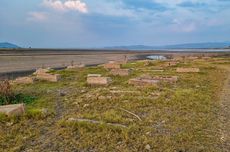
x=171, y=63
x=112, y=66
x=143, y=82
x=94, y=79
x=24, y=80
x=41, y=71
x=76, y=66
x=120, y=72
x=148, y=80
x=187, y=70
x=49, y=77
x=13, y=110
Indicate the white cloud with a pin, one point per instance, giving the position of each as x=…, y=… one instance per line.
x=37, y=16
x=74, y=5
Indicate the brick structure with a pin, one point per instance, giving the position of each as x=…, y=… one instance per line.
x=187, y=70
x=24, y=80
x=120, y=72
x=98, y=80
x=12, y=110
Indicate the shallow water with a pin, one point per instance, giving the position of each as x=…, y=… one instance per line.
x=156, y=57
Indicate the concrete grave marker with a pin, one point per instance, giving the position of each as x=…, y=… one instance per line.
x=120, y=72
x=24, y=80
x=97, y=79
x=12, y=110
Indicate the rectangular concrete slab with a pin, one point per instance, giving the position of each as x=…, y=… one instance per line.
x=12, y=110
x=99, y=80
x=120, y=72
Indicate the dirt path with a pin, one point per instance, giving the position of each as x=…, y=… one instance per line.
x=46, y=140
x=225, y=114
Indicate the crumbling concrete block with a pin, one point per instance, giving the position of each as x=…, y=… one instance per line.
x=112, y=66
x=168, y=79
x=120, y=72
x=41, y=71
x=169, y=64
x=24, y=80
x=49, y=77
x=148, y=80
x=187, y=70
x=98, y=80
x=143, y=82
x=13, y=110
x=76, y=66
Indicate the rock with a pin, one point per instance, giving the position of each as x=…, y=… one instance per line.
x=42, y=71
x=49, y=77
x=143, y=82
x=12, y=110
x=76, y=66
x=24, y=80
x=120, y=72
x=112, y=66
x=85, y=105
x=147, y=147
x=97, y=80
x=187, y=70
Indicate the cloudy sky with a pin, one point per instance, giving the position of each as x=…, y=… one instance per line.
x=98, y=23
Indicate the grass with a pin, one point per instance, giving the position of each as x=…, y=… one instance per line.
x=184, y=117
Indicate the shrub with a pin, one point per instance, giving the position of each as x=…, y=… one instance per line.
x=8, y=97
x=6, y=93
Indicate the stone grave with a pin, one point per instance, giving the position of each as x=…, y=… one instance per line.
x=97, y=79
x=120, y=72
x=13, y=110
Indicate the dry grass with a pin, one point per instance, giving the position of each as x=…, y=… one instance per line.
x=173, y=117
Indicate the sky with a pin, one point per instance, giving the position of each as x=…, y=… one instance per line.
x=100, y=23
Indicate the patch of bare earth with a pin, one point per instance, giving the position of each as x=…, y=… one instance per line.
x=225, y=114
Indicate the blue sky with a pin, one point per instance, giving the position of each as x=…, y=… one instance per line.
x=99, y=23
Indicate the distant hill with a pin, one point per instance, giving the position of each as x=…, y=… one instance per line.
x=8, y=45
x=209, y=45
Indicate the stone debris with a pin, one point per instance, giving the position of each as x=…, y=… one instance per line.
x=143, y=81
x=148, y=80
x=95, y=122
x=148, y=147
x=169, y=64
x=49, y=77
x=24, y=80
x=94, y=75
x=112, y=65
x=76, y=66
x=42, y=71
x=95, y=79
x=13, y=110
x=42, y=74
x=120, y=72
x=187, y=70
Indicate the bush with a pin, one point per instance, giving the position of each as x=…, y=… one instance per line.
x=8, y=97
